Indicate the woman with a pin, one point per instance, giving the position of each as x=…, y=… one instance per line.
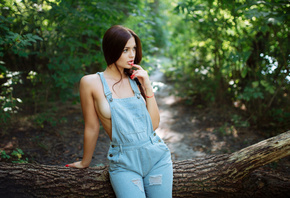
x=122, y=98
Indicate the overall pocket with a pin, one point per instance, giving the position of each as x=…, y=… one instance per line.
x=131, y=120
x=162, y=146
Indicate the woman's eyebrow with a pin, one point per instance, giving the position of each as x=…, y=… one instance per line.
x=130, y=47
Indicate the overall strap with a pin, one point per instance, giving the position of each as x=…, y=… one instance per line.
x=107, y=91
x=135, y=87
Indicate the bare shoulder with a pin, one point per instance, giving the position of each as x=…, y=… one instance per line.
x=90, y=81
x=91, y=84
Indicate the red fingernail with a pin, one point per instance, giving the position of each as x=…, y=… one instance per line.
x=66, y=165
x=132, y=76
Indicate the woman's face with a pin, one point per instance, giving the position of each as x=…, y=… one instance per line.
x=127, y=57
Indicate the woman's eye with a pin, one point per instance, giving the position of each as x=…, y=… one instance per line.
x=125, y=50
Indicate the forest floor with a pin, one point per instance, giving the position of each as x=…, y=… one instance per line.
x=189, y=131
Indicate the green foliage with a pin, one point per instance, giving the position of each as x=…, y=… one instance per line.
x=16, y=156
x=238, y=121
x=230, y=128
x=9, y=104
x=11, y=42
x=52, y=44
x=226, y=130
x=228, y=51
x=221, y=51
x=4, y=155
x=14, y=42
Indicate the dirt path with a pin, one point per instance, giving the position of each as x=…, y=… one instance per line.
x=190, y=132
x=174, y=127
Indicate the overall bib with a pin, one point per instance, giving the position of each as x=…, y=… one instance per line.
x=140, y=162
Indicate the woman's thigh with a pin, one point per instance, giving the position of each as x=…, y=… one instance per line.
x=158, y=183
x=127, y=184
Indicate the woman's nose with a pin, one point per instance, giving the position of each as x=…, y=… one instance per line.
x=132, y=53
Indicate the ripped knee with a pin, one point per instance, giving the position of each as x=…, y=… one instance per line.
x=138, y=183
x=155, y=180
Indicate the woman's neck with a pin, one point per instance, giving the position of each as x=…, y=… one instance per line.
x=114, y=73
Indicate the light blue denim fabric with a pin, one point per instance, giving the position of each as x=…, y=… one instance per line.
x=140, y=162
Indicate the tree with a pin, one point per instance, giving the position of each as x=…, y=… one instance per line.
x=228, y=51
x=46, y=46
x=228, y=175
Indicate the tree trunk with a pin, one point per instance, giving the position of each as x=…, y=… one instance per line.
x=233, y=175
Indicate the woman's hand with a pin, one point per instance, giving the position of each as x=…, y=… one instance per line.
x=142, y=76
x=151, y=103
x=76, y=165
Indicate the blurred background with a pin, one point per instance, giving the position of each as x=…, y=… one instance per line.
x=221, y=69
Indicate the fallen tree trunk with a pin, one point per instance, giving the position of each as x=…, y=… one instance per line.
x=233, y=175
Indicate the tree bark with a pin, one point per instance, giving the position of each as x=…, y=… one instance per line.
x=230, y=175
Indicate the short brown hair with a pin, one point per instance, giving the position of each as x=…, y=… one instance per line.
x=114, y=42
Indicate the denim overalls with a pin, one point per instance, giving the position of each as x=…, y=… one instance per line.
x=140, y=162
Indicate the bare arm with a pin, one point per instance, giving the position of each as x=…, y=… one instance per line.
x=151, y=103
x=92, y=125
x=152, y=107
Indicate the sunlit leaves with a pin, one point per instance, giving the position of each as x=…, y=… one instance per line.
x=244, y=46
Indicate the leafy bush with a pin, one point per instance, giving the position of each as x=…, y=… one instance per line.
x=16, y=156
x=226, y=52
x=52, y=44
x=16, y=44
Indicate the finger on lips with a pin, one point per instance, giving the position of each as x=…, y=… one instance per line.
x=137, y=66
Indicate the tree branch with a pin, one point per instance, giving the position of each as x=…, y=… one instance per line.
x=233, y=175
